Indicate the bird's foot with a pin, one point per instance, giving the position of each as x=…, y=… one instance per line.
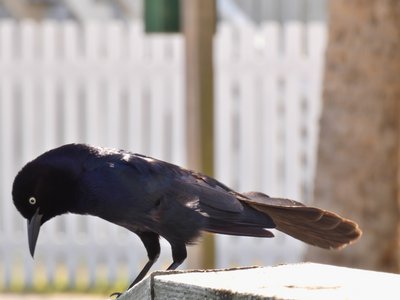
x=117, y=294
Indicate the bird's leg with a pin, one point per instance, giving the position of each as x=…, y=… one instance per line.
x=179, y=254
x=152, y=244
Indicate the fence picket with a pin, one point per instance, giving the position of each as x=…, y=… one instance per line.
x=292, y=99
x=223, y=115
x=316, y=43
x=178, y=108
x=249, y=95
x=269, y=85
x=135, y=114
x=6, y=159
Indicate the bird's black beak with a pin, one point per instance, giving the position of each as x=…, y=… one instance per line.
x=33, y=230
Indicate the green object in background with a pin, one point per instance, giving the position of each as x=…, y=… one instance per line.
x=162, y=16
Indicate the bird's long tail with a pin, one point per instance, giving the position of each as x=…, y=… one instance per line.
x=309, y=224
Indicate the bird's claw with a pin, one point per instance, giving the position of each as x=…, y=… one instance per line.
x=118, y=294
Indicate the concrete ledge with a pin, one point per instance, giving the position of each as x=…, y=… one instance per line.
x=298, y=281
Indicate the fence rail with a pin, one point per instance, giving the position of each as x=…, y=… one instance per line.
x=112, y=85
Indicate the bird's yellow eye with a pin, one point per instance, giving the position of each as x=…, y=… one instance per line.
x=32, y=200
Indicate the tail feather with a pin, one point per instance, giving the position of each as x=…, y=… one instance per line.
x=239, y=230
x=309, y=224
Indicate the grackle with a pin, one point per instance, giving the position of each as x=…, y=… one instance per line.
x=153, y=198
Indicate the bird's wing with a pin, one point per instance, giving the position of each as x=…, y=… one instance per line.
x=223, y=206
x=185, y=186
x=210, y=194
x=220, y=204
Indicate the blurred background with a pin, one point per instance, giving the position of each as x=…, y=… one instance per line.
x=264, y=95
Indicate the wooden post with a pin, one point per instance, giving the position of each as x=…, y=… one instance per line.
x=199, y=27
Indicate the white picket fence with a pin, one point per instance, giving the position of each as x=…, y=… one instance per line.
x=112, y=85
x=268, y=97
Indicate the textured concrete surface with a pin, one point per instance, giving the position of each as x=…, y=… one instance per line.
x=297, y=282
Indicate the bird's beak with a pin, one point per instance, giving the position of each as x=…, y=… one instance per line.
x=33, y=230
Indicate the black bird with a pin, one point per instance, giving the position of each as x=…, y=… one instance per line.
x=153, y=198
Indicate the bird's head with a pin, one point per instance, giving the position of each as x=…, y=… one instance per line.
x=41, y=191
